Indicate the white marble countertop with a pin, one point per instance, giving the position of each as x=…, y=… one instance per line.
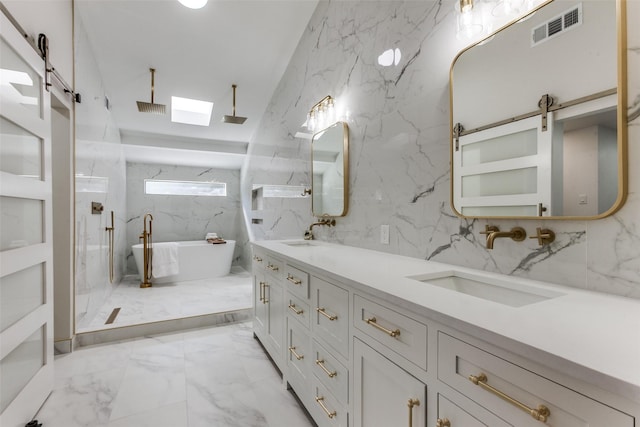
x=597, y=334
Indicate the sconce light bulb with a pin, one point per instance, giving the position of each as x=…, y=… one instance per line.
x=466, y=6
x=470, y=20
x=311, y=121
x=321, y=117
x=331, y=112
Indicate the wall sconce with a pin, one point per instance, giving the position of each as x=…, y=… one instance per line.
x=321, y=115
x=479, y=18
x=469, y=19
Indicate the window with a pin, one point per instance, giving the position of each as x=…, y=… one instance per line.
x=184, y=188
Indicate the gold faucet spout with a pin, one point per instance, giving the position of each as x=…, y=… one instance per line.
x=517, y=234
x=329, y=222
x=308, y=234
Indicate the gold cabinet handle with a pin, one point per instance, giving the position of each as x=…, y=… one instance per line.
x=324, y=408
x=264, y=293
x=296, y=355
x=292, y=307
x=257, y=258
x=372, y=321
x=272, y=267
x=320, y=362
x=542, y=413
x=294, y=280
x=261, y=291
x=443, y=422
x=324, y=313
x=411, y=404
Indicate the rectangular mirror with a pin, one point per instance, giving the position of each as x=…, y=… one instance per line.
x=330, y=171
x=538, y=116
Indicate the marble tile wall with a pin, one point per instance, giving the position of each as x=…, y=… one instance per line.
x=399, y=153
x=179, y=218
x=100, y=177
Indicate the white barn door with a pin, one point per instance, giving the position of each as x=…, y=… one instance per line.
x=505, y=170
x=26, y=269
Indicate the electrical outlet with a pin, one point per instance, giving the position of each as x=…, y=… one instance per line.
x=384, y=234
x=582, y=199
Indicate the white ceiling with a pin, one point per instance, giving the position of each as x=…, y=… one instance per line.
x=197, y=54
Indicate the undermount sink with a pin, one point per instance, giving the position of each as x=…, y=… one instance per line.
x=496, y=290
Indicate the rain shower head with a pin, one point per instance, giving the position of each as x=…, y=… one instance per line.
x=146, y=107
x=236, y=120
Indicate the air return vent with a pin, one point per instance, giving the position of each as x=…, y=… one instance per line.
x=557, y=25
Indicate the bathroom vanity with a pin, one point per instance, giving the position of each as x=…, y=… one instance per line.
x=370, y=339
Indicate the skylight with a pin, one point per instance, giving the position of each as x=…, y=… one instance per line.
x=190, y=111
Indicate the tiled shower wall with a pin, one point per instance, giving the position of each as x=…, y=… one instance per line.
x=399, y=151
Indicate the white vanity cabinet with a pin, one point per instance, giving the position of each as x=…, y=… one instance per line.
x=385, y=394
x=451, y=414
x=518, y=395
x=357, y=356
x=402, y=334
x=317, y=318
x=269, y=310
x=331, y=317
x=299, y=358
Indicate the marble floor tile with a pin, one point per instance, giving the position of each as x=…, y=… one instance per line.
x=174, y=415
x=168, y=301
x=94, y=359
x=215, y=376
x=82, y=400
x=150, y=383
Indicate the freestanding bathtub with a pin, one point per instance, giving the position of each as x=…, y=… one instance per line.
x=197, y=259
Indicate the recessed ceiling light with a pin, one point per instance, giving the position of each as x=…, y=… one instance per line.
x=190, y=111
x=193, y=4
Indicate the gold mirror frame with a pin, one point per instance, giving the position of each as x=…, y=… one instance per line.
x=621, y=120
x=345, y=171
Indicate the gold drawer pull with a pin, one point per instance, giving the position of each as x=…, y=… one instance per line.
x=294, y=280
x=272, y=267
x=257, y=258
x=296, y=311
x=324, y=313
x=372, y=321
x=444, y=422
x=297, y=356
x=320, y=362
x=542, y=413
x=411, y=404
x=324, y=408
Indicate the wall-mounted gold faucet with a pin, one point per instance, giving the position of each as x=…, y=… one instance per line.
x=517, y=234
x=308, y=234
x=544, y=236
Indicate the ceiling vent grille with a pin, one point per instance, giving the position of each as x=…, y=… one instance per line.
x=557, y=25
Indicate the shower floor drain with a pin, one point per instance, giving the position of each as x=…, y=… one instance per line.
x=112, y=316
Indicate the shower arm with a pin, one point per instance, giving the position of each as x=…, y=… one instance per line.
x=234, y=99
